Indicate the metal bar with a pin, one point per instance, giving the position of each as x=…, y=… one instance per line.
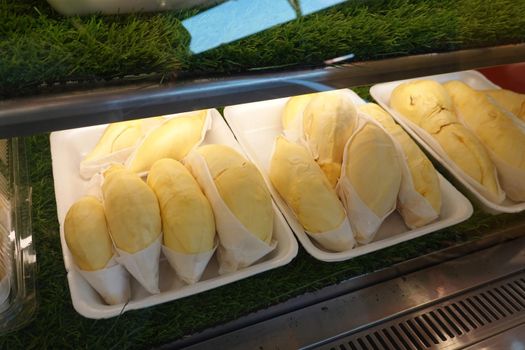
x=450, y=321
x=474, y=317
x=416, y=334
x=63, y=111
x=515, y=297
x=392, y=342
x=434, y=326
x=442, y=323
x=425, y=327
x=500, y=299
x=483, y=302
x=456, y=316
x=494, y=303
x=480, y=309
x=383, y=341
x=520, y=289
x=508, y=298
x=402, y=337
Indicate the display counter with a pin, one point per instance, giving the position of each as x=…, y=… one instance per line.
x=45, y=55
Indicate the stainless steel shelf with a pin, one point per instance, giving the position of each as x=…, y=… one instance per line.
x=279, y=331
x=454, y=323
x=485, y=291
x=55, y=112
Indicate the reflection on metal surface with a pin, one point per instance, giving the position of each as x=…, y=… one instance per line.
x=340, y=59
x=512, y=339
x=234, y=20
x=423, y=310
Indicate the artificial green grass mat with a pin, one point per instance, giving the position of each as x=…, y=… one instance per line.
x=58, y=326
x=38, y=46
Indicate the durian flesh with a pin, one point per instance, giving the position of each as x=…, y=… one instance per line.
x=420, y=100
x=292, y=116
x=173, y=139
x=328, y=122
x=373, y=169
x=423, y=174
x=132, y=210
x=497, y=131
x=87, y=235
x=188, y=224
x=242, y=188
x=427, y=104
x=510, y=100
x=302, y=184
x=121, y=135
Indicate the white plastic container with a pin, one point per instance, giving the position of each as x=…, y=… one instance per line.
x=67, y=149
x=476, y=80
x=81, y=7
x=256, y=126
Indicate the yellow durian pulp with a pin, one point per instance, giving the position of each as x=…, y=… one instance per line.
x=424, y=176
x=188, y=224
x=420, y=99
x=173, y=139
x=293, y=111
x=428, y=104
x=373, y=169
x=510, y=100
x=302, y=184
x=132, y=210
x=113, y=169
x=87, y=235
x=121, y=135
x=115, y=137
x=375, y=111
x=328, y=122
x=496, y=130
x=242, y=188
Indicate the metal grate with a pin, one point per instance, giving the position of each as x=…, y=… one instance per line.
x=450, y=324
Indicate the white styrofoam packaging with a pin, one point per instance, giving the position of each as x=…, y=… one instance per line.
x=67, y=149
x=256, y=125
x=381, y=93
x=81, y=7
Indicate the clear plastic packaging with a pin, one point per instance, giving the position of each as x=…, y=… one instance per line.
x=17, y=254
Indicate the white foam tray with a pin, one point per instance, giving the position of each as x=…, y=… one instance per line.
x=256, y=125
x=67, y=149
x=382, y=92
x=81, y=7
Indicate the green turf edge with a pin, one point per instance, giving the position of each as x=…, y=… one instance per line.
x=39, y=46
